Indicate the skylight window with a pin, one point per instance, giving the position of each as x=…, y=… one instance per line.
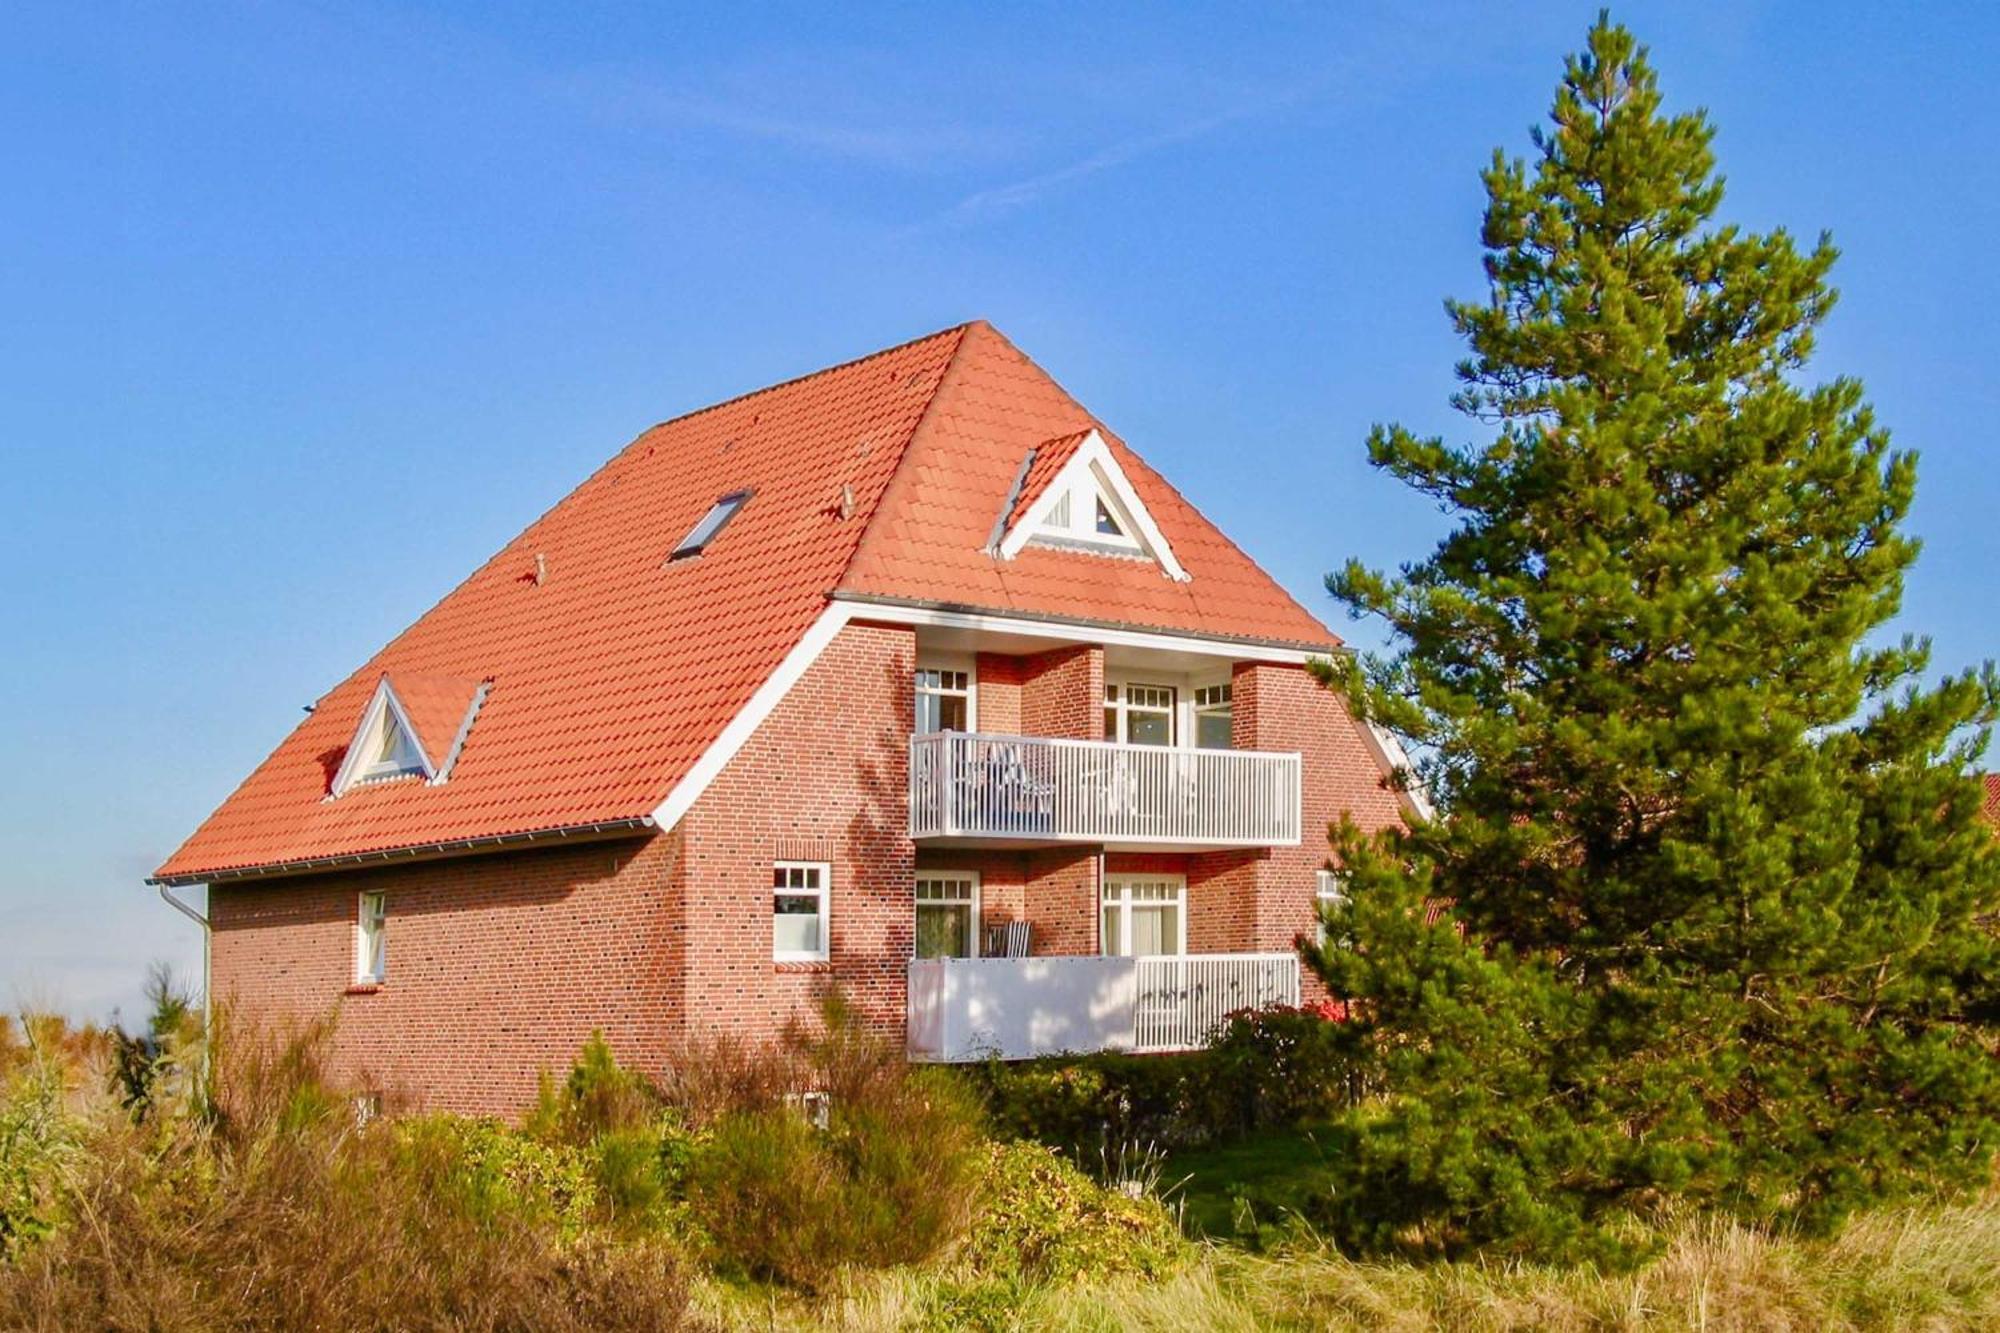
x=711, y=524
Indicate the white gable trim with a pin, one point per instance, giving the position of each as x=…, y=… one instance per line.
x=751, y=716
x=840, y=613
x=384, y=699
x=1094, y=457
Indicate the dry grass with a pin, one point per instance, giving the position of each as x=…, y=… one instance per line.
x=1936, y=1268
x=278, y=1212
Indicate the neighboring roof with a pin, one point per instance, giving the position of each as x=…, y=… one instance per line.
x=1990, y=806
x=609, y=671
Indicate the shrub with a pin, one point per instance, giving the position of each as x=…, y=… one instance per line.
x=1278, y=1066
x=278, y=1212
x=1045, y=1221
x=1266, y=1068
x=889, y=1179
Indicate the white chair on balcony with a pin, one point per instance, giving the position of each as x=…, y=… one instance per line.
x=1008, y=941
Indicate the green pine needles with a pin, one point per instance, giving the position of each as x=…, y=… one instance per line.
x=1722, y=930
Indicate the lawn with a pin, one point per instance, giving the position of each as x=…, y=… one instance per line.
x=1225, y=1190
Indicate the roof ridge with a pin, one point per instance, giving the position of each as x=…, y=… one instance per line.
x=898, y=479
x=748, y=394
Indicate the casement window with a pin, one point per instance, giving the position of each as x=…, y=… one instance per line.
x=947, y=914
x=944, y=700
x=371, y=939
x=1213, y=713
x=1140, y=714
x=1083, y=512
x=1329, y=890
x=711, y=525
x=388, y=750
x=799, y=916
x=1142, y=915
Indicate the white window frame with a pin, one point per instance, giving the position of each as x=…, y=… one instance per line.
x=371, y=912
x=1226, y=688
x=1121, y=705
x=965, y=666
x=1122, y=882
x=971, y=899
x=823, y=891
x=1329, y=886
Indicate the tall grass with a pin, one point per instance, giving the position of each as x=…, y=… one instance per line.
x=273, y=1209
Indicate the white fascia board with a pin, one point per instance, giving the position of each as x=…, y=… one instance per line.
x=1396, y=757
x=1238, y=650
x=383, y=698
x=751, y=716
x=1096, y=456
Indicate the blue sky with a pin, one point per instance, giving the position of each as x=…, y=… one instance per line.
x=304, y=310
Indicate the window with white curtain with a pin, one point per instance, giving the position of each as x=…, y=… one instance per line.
x=371, y=938
x=1329, y=890
x=799, y=916
x=947, y=914
x=1144, y=914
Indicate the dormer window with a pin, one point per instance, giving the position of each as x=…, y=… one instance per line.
x=413, y=726
x=712, y=523
x=1072, y=494
x=392, y=751
x=1084, y=513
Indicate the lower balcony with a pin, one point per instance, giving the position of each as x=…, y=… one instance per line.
x=964, y=1009
x=969, y=789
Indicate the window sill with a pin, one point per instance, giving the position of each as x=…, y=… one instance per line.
x=782, y=965
x=363, y=988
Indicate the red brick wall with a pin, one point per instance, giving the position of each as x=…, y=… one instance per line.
x=999, y=685
x=1060, y=898
x=825, y=778
x=1284, y=708
x=499, y=966
x=1062, y=693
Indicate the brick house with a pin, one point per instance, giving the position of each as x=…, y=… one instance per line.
x=907, y=677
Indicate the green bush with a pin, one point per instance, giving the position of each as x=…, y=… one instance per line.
x=890, y=1180
x=1268, y=1068
x=1044, y=1221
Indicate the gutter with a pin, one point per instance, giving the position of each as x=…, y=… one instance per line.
x=1321, y=649
x=207, y=938
x=602, y=829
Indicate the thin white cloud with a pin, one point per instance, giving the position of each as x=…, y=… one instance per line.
x=996, y=200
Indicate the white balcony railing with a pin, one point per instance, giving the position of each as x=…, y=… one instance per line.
x=1048, y=789
x=1018, y=1008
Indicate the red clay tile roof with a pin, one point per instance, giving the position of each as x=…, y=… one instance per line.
x=1990, y=806
x=614, y=673
x=927, y=542
x=437, y=708
x=1050, y=455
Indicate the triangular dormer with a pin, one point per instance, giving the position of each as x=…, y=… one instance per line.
x=1075, y=496
x=401, y=730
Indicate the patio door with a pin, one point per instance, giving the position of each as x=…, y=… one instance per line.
x=1143, y=915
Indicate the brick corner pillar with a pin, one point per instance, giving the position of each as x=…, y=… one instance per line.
x=1062, y=693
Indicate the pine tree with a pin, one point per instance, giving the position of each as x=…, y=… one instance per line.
x=1716, y=867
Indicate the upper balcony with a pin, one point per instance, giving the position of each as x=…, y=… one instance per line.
x=971, y=789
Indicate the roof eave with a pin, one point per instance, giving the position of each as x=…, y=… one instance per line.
x=608, y=828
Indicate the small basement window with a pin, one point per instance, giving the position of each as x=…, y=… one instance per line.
x=712, y=523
